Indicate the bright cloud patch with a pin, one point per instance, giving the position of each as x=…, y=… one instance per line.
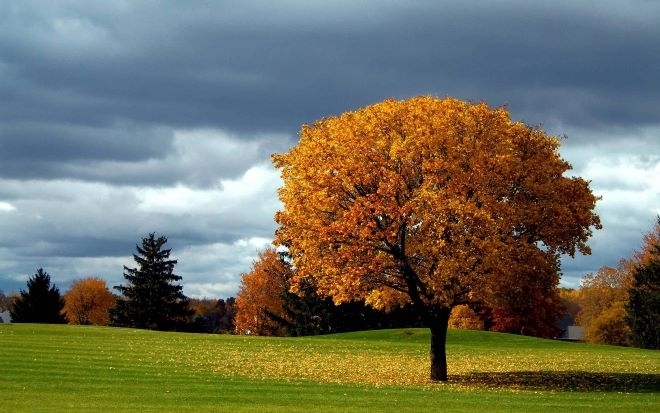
x=628, y=184
x=256, y=182
x=628, y=172
x=6, y=207
x=214, y=270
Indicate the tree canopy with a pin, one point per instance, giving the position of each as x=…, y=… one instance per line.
x=259, y=296
x=643, y=307
x=88, y=301
x=432, y=202
x=41, y=303
x=151, y=299
x=602, y=300
x=6, y=301
x=267, y=306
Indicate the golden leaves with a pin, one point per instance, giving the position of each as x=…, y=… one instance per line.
x=88, y=301
x=301, y=359
x=454, y=191
x=522, y=363
x=602, y=298
x=260, y=293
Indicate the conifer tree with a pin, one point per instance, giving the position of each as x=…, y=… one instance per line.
x=41, y=303
x=643, y=308
x=151, y=299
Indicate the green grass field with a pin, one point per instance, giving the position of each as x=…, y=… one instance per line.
x=73, y=368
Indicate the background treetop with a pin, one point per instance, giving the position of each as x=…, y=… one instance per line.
x=151, y=298
x=40, y=303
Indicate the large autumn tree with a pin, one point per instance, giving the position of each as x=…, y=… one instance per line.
x=88, y=301
x=433, y=202
x=152, y=297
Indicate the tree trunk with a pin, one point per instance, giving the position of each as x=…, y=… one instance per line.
x=438, y=322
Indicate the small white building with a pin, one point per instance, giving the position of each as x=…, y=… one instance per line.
x=576, y=333
x=573, y=333
x=5, y=317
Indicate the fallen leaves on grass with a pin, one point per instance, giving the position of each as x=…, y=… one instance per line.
x=355, y=362
x=341, y=364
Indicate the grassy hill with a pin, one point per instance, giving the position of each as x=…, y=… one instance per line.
x=74, y=368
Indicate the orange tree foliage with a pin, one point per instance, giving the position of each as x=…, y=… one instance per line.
x=529, y=303
x=260, y=295
x=88, y=301
x=650, y=243
x=464, y=318
x=602, y=298
x=434, y=202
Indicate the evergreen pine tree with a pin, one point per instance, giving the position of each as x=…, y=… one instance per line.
x=644, y=304
x=151, y=299
x=41, y=303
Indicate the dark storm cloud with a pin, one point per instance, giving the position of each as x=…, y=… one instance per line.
x=64, y=142
x=272, y=66
x=120, y=118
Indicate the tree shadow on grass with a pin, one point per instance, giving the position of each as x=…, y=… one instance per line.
x=563, y=381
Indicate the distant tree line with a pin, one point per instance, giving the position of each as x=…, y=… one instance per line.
x=621, y=305
x=150, y=299
x=268, y=306
x=616, y=305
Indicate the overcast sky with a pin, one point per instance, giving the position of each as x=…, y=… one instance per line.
x=120, y=118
